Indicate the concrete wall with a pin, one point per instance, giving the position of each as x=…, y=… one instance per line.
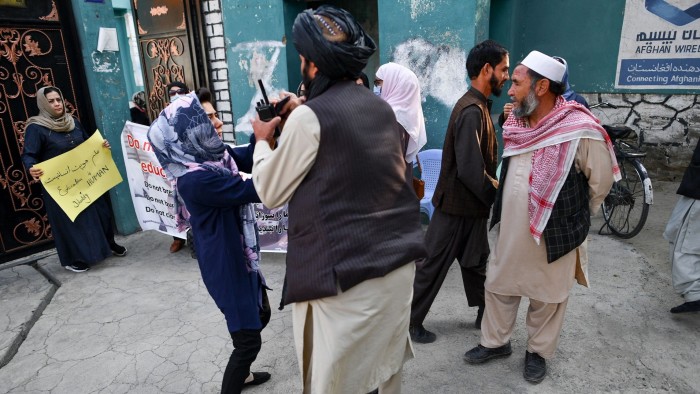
x=587, y=35
x=668, y=127
x=107, y=90
x=432, y=38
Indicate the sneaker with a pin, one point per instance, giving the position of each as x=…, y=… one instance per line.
x=118, y=250
x=78, y=266
x=421, y=335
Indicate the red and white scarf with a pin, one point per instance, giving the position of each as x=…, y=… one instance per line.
x=554, y=141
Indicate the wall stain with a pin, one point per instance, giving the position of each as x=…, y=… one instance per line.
x=439, y=68
x=258, y=59
x=104, y=62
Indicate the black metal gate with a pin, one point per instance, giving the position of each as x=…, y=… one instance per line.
x=37, y=49
x=171, y=44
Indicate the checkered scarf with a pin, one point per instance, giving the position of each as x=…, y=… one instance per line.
x=554, y=141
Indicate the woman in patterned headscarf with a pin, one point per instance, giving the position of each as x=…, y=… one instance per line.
x=90, y=238
x=212, y=196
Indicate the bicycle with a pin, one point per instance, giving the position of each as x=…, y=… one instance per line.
x=626, y=207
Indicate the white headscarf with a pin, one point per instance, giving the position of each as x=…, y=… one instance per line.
x=401, y=90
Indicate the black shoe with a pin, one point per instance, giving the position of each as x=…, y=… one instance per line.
x=690, y=306
x=421, y=335
x=258, y=378
x=118, y=250
x=535, y=368
x=479, y=316
x=78, y=266
x=482, y=354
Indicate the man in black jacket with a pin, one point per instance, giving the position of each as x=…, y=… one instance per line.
x=682, y=232
x=465, y=191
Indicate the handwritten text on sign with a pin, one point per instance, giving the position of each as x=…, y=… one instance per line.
x=79, y=177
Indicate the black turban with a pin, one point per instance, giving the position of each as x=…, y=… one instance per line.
x=335, y=60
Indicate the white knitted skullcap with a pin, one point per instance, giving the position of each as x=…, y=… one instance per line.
x=544, y=65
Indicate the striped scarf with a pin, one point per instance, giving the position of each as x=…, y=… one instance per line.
x=554, y=141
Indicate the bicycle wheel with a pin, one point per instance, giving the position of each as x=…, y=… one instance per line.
x=626, y=208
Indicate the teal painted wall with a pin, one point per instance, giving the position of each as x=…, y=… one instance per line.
x=110, y=104
x=291, y=9
x=585, y=33
x=124, y=4
x=432, y=38
x=255, y=49
x=125, y=55
x=259, y=46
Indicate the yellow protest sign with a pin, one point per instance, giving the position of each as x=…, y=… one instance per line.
x=77, y=178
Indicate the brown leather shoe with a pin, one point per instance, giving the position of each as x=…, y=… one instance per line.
x=177, y=245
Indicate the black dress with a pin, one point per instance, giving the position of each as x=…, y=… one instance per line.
x=87, y=239
x=138, y=116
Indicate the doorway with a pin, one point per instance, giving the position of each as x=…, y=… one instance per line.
x=41, y=49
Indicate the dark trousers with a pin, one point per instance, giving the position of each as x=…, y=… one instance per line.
x=447, y=239
x=246, y=346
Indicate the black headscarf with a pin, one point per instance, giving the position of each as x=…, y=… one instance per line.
x=179, y=84
x=335, y=60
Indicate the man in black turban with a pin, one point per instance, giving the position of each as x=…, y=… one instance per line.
x=354, y=220
x=336, y=44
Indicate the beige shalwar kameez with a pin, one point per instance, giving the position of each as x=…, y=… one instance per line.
x=518, y=266
x=358, y=340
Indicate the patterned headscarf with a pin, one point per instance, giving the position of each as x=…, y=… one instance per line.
x=61, y=124
x=400, y=88
x=184, y=140
x=183, y=134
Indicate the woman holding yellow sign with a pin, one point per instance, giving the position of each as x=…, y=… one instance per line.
x=90, y=238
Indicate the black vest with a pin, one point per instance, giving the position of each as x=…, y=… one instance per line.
x=353, y=217
x=568, y=225
x=451, y=195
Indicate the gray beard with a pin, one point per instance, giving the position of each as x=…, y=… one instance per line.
x=528, y=105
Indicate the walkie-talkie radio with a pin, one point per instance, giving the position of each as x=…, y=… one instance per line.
x=267, y=111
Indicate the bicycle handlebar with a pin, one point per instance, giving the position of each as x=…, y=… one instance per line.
x=603, y=104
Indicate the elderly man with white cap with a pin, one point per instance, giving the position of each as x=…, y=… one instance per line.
x=558, y=166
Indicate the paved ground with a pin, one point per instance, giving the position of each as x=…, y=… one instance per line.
x=145, y=324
